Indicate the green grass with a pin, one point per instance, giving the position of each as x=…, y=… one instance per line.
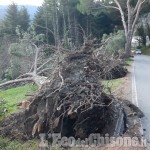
x=129, y=61
x=7, y=144
x=146, y=50
x=112, y=84
x=14, y=95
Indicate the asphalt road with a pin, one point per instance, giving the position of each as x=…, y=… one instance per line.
x=141, y=75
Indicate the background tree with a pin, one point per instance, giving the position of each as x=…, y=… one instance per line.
x=46, y=21
x=15, y=17
x=23, y=18
x=70, y=22
x=148, y=29
x=132, y=10
x=8, y=25
x=11, y=19
x=103, y=21
x=115, y=42
x=141, y=31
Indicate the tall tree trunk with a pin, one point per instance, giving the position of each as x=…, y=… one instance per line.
x=76, y=32
x=128, y=40
x=129, y=25
x=65, y=36
x=87, y=26
x=127, y=48
x=46, y=23
x=57, y=25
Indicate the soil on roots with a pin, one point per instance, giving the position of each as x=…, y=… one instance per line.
x=72, y=103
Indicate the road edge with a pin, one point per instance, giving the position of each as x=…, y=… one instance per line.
x=134, y=95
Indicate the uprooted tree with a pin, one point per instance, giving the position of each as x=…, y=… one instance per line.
x=31, y=55
x=29, y=60
x=72, y=101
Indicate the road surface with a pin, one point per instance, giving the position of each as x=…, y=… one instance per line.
x=141, y=80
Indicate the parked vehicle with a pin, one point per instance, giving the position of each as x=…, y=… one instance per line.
x=138, y=51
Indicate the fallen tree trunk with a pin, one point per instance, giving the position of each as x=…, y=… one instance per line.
x=72, y=102
x=10, y=83
x=38, y=80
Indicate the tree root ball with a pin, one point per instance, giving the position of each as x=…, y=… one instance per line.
x=72, y=102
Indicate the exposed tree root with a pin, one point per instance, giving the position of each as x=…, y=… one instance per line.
x=72, y=102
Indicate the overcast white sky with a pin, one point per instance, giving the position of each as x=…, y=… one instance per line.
x=22, y=2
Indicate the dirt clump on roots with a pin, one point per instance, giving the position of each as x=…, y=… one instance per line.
x=113, y=68
x=72, y=102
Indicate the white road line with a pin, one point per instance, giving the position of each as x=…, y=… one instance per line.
x=134, y=94
x=134, y=89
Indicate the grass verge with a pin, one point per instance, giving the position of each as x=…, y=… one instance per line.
x=129, y=61
x=14, y=95
x=7, y=144
x=112, y=85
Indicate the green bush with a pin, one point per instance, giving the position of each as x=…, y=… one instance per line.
x=146, y=50
x=115, y=42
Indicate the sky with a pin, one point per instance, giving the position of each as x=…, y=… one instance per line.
x=22, y=2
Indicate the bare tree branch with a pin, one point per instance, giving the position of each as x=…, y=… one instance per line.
x=129, y=13
x=122, y=16
x=46, y=29
x=137, y=13
x=36, y=58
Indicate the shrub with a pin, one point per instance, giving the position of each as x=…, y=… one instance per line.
x=3, y=107
x=115, y=41
x=146, y=50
